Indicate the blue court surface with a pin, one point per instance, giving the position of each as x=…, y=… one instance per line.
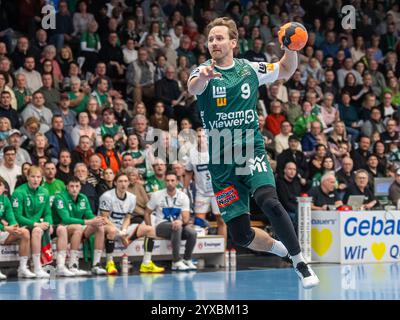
x=349, y=282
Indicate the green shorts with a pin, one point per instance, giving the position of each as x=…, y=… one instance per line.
x=233, y=188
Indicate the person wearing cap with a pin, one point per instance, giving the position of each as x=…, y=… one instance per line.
x=292, y=154
x=7, y=111
x=14, y=139
x=394, y=189
x=9, y=170
x=68, y=115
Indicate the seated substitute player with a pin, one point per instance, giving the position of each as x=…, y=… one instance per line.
x=197, y=168
x=170, y=208
x=117, y=207
x=226, y=90
x=11, y=233
x=30, y=203
x=72, y=209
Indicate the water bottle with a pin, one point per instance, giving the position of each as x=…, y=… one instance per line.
x=227, y=258
x=125, y=266
x=232, y=259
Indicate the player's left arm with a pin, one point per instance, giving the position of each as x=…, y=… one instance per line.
x=126, y=222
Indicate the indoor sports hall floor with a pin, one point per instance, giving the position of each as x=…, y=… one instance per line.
x=269, y=282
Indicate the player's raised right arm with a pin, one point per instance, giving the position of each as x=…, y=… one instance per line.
x=200, y=77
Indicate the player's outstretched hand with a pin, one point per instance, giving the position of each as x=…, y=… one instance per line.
x=209, y=72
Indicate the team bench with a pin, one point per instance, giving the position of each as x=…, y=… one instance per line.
x=210, y=248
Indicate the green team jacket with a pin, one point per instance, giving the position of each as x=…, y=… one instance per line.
x=31, y=205
x=67, y=211
x=6, y=212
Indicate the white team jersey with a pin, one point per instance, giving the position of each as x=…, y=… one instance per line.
x=198, y=163
x=160, y=200
x=118, y=208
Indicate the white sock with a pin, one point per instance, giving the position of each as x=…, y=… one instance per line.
x=297, y=259
x=37, y=265
x=97, y=256
x=61, y=258
x=73, y=259
x=109, y=257
x=278, y=248
x=146, y=257
x=23, y=262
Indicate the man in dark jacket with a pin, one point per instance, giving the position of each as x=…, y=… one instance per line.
x=167, y=90
x=58, y=138
x=292, y=154
x=7, y=111
x=361, y=154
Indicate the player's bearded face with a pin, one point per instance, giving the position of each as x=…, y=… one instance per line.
x=219, y=44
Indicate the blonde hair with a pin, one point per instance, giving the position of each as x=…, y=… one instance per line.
x=225, y=22
x=34, y=169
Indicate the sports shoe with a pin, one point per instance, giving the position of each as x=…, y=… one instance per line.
x=78, y=272
x=110, y=267
x=64, y=272
x=40, y=273
x=98, y=270
x=190, y=264
x=307, y=276
x=151, y=267
x=25, y=273
x=179, y=266
x=2, y=276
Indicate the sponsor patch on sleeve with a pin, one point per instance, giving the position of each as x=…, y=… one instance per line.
x=226, y=196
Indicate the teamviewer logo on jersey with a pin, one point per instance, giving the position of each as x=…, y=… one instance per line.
x=219, y=93
x=258, y=164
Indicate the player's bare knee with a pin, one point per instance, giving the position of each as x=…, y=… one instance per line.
x=61, y=231
x=37, y=232
x=25, y=235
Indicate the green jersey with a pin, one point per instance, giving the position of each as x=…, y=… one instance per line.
x=54, y=188
x=6, y=212
x=31, y=205
x=68, y=211
x=227, y=107
x=112, y=130
x=82, y=105
x=230, y=102
x=153, y=184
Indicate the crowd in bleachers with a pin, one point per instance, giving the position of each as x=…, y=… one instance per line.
x=93, y=89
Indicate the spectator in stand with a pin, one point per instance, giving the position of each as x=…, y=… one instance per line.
x=81, y=172
x=101, y=94
x=112, y=53
x=64, y=168
x=345, y=176
x=325, y=196
x=390, y=134
x=112, y=128
x=167, y=91
x=184, y=49
x=23, y=177
x=51, y=95
x=40, y=148
x=394, y=89
x=378, y=79
x=21, y=52
x=394, y=190
x=121, y=113
x=95, y=170
x=142, y=130
x=361, y=154
x=90, y=46
x=374, y=170
x=140, y=77
x=38, y=110
x=83, y=129
x=50, y=64
x=51, y=183
x=157, y=181
x=14, y=139
x=5, y=88
x=327, y=165
x=387, y=108
x=58, y=138
x=82, y=19
x=63, y=110
x=361, y=188
x=22, y=93
x=315, y=163
x=293, y=108
x=110, y=157
x=303, y=123
x=256, y=54
x=7, y=111
x=292, y=154
x=63, y=33
x=330, y=85
x=282, y=139
x=158, y=120
x=349, y=115
x=83, y=151
x=309, y=141
x=289, y=187
x=64, y=59
x=329, y=114
x=275, y=118
x=94, y=111
x=9, y=170
x=106, y=183
x=346, y=69
x=374, y=123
